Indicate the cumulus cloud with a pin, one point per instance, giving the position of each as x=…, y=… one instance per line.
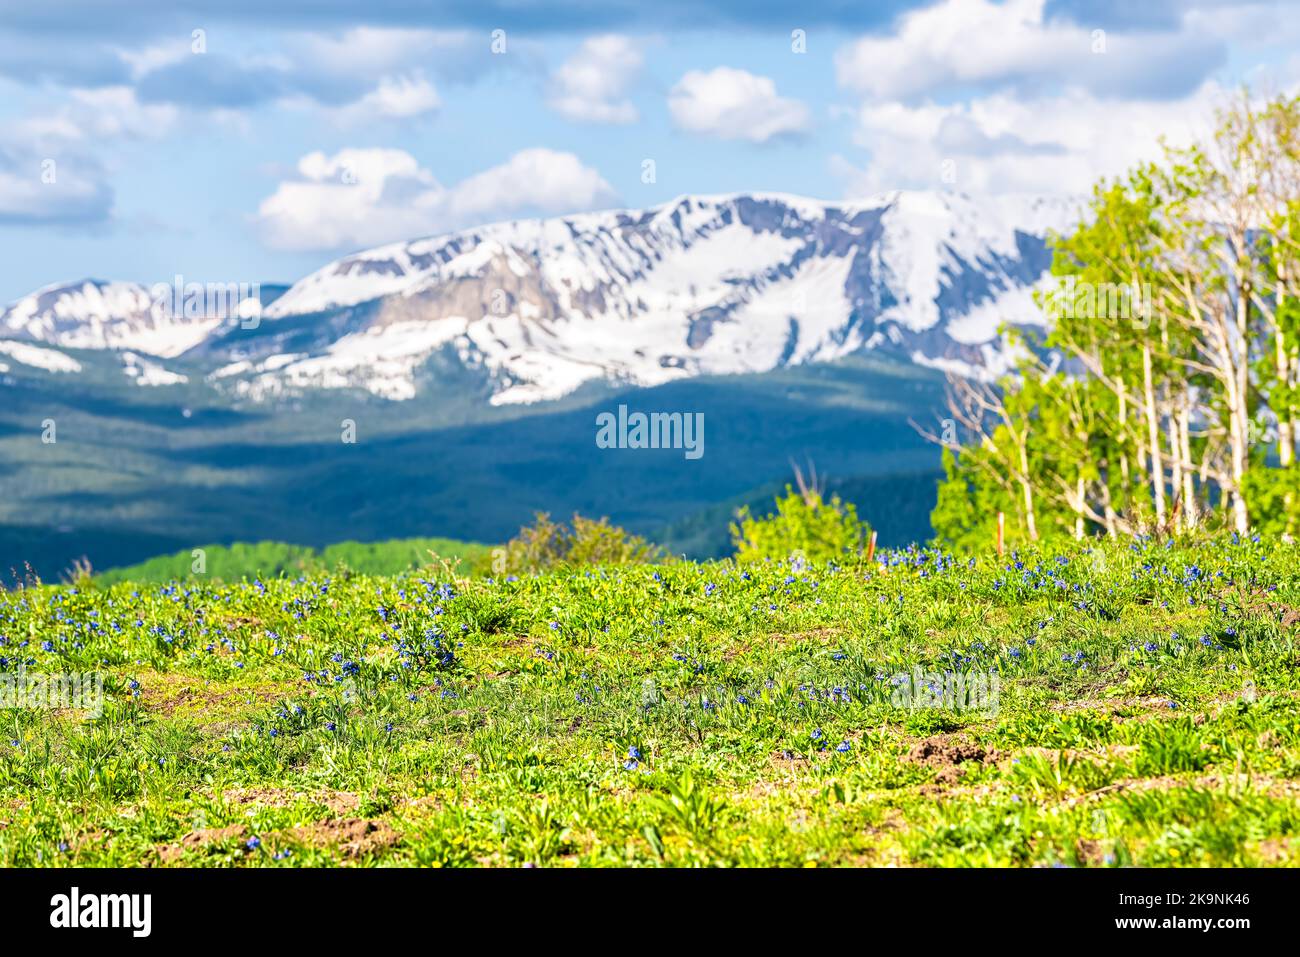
x=115, y=111
x=366, y=197
x=998, y=143
x=591, y=86
x=358, y=72
x=1023, y=95
x=37, y=190
x=964, y=44
x=395, y=98
x=50, y=171
x=734, y=105
x=332, y=65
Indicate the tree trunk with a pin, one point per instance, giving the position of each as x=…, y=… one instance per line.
x=1190, y=512
x=1176, y=460
x=1123, y=436
x=1285, y=418
x=1153, y=435
x=1078, y=512
x=1031, y=525
x=1285, y=426
x=1241, y=441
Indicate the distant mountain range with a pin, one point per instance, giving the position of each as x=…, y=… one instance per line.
x=699, y=286
x=182, y=426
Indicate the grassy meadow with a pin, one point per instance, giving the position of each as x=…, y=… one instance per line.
x=1144, y=712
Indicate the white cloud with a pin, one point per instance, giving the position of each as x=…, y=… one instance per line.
x=113, y=111
x=38, y=190
x=375, y=51
x=366, y=197
x=87, y=115
x=400, y=98
x=533, y=179
x=734, y=104
x=50, y=167
x=147, y=59
x=591, y=86
x=978, y=43
x=998, y=143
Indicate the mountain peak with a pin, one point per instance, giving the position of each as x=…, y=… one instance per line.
x=99, y=314
x=716, y=284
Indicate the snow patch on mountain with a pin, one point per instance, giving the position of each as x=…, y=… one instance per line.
x=381, y=361
x=702, y=285
x=145, y=372
x=51, y=360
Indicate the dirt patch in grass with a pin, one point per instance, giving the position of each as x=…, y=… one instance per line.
x=1120, y=710
x=1091, y=852
x=1276, y=851
x=88, y=839
x=243, y=621
x=1101, y=752
x=199, y=839
x=780, y=758
x=352, y=837
x=946, y=753
x=819, y=635
x=1258, y=601
x=1276, y=788
x=337, y=801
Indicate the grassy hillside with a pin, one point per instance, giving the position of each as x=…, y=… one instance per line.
x=1145, y=711
x=138, y=472
x=273, y=559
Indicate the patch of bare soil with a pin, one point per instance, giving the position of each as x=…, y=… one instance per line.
x=1278, y=788
x=204, y=836
x=1091, y=852
x=787, y=757
x=352, y=837
x=1278, y=851
x=946, y=754
x=337, y=801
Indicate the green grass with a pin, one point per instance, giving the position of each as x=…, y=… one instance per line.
x=1146, y=714
x=272, y=559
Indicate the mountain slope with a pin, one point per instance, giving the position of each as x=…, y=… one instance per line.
x=536, y=308
x=699, y=286
x=127, y=481
x=471, y=368
x=93, y=314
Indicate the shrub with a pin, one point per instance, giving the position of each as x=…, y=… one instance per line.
x=804, y=523
x=546, y=543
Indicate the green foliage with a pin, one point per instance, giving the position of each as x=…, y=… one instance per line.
x=681, y=715
x=1171, y=748
x=803, y=523
x=1274, y=498
x=959, y=518
x=546, y=544
x=232, y=563
x=1146, y=419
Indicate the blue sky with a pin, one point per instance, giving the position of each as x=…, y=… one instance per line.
x=253, y=142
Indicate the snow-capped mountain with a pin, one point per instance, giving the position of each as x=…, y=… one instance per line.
x=701, y=285
x=92, y=314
